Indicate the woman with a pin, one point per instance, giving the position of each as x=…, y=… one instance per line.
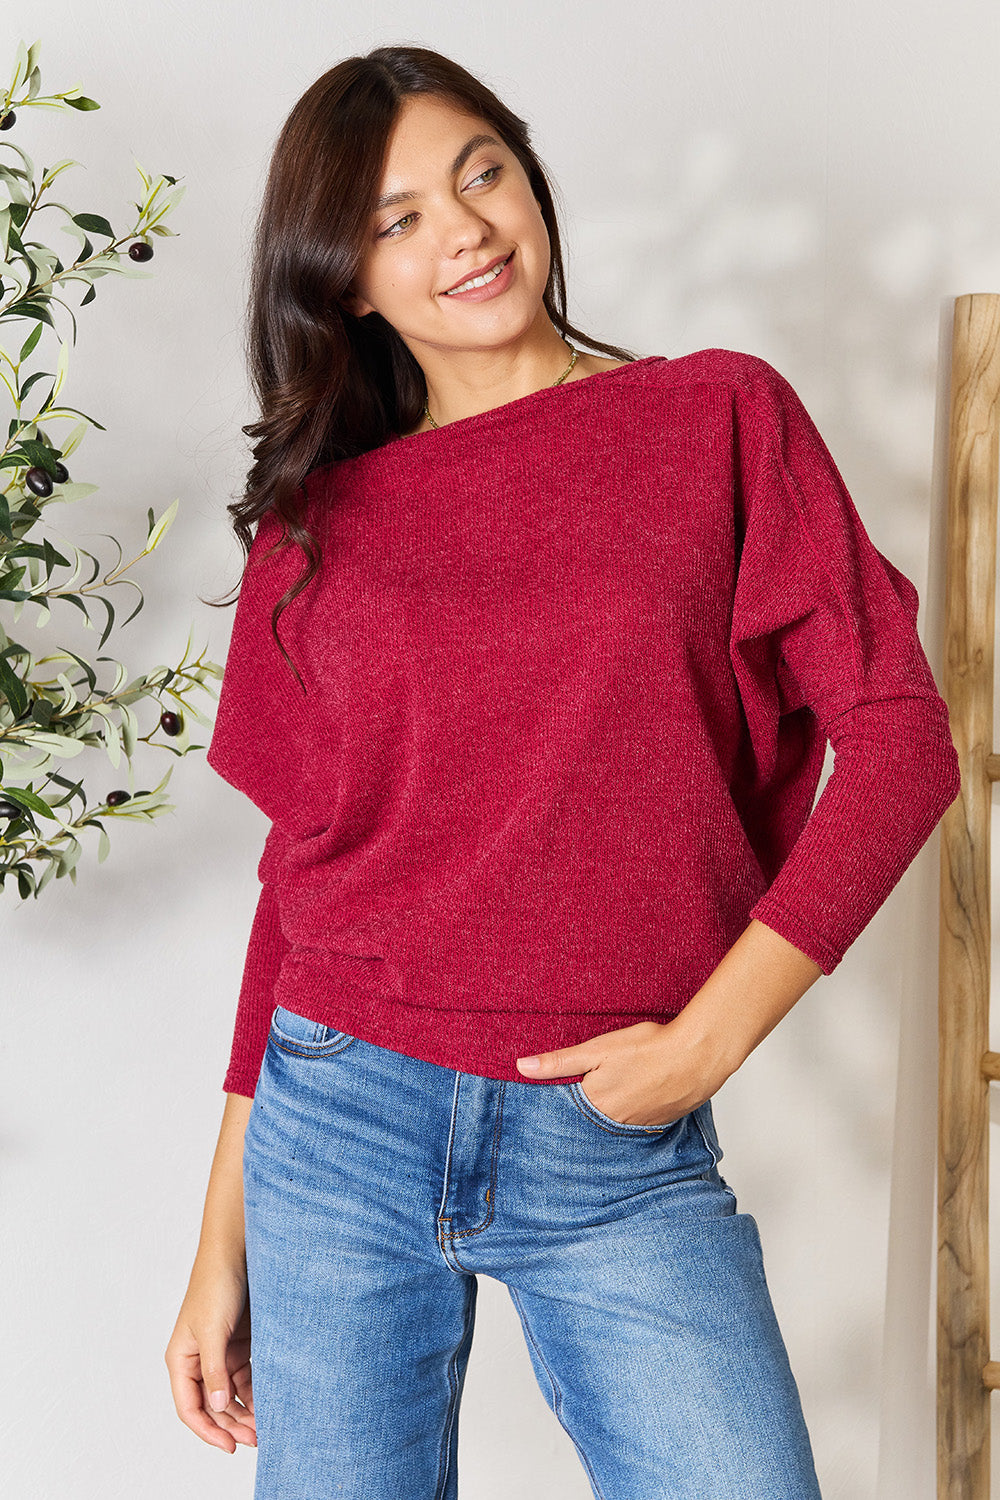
x=570, y=639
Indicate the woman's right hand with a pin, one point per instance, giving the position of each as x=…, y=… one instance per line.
x=208, y=1355
x=208, y=1358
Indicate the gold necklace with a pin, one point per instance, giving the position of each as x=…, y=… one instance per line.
x=562, y=377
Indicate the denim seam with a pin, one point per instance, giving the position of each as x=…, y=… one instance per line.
x=491, y=1192
x=556, y=1393
x=443, y=1234
x=587, y=1109
x=704, y=1135
x=713, y=1171
x=444, y=1457
x=310, y=1049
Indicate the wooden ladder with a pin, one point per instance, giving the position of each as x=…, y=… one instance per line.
x=966, y=1374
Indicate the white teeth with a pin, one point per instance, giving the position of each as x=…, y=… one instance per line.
x=479, y=280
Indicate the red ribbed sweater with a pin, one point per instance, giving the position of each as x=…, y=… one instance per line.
x=572, y=664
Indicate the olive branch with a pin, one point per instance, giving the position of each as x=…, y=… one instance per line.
x=52, y=707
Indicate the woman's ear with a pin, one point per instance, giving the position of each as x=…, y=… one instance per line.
x=355, y=305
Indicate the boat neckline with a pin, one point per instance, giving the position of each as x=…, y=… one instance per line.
x=398, y=442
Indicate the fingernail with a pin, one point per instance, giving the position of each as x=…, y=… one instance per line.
x=529, y=1064
x=218, y=1400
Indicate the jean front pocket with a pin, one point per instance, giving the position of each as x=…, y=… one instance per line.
x=618, y=1127
x=302, y=1037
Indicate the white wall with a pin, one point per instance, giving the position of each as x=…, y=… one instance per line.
x=809, y=182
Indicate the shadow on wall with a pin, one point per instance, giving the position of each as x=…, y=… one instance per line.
x=847, y=303
x=841, y=300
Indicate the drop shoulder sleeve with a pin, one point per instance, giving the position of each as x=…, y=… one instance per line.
x=821, y=618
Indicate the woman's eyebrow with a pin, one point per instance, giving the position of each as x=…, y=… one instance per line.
x=473, y=144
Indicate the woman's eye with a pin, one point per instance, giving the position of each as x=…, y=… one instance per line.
x=390, y=233
x=387, y=232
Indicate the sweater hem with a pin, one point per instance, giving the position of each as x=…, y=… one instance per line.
x=485, y=1043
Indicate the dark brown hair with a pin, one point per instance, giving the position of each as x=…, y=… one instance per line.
x=331, y=385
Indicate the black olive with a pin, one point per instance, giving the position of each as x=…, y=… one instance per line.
x=140, y=250
x=39, y=482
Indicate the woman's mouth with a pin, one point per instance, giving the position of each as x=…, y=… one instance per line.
x=479, y=288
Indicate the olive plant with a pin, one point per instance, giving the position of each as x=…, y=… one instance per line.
x=53, y=706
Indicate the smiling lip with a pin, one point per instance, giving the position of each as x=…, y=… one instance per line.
x=498, y=260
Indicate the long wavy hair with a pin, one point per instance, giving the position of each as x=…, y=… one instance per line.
x=330, y=385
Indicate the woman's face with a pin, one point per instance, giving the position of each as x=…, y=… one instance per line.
x=448, y=223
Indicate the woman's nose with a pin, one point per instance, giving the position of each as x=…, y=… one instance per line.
x=461, y=228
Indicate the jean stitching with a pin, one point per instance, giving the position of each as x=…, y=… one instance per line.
x=444, y=1459
x=704, y=1135
x=442, y=1218
x=556, y=1393
x=613, y=1127
x=461, y=1234
x=311, y=1049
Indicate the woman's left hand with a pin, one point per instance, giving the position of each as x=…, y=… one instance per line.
x=647, y=1074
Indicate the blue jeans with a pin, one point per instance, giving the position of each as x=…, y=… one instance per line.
x=377, y=1185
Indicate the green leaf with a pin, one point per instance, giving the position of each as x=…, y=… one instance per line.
x=40, y=454
x=112, y=738
x=63, y=411
x=53, y=558
x=30, y=342
x=27, y=310
x=29, y=799
x=75, y=789
x=12, y=688
x=79, y=604
x=82, y=102
x=18, y=181
x=89, y=672
x=38, y=375
x=55, y=744
x=62, y=364
x=73, y=439
x=21, y=66
x=67, y=857
x=129, y=728
x=159, y=531
x=94, y=224
x=111, y=619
